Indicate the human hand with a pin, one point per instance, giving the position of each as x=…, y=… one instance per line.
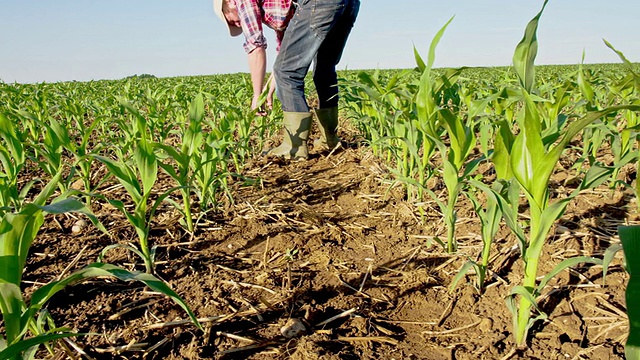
x=256, y=105
x=266, y=105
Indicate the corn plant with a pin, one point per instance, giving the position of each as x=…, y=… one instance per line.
x=630, y=239
x=49, y=152
x=17, y=232
x=438, y=106
x=629, y=89
x=210, y=172
x=462, y=140
x=224, y=149
x=408, y=138
x=138, y=180
x=427, y=106
x=623, y=144
x=80, y=124
x=532, y=159
x=12, y=157
x=490, y=215
x=382, y=107
x=184, y=157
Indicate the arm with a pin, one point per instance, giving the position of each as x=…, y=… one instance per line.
x=250, y=15
x=257, y=67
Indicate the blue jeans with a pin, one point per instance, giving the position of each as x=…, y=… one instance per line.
x=317, y=32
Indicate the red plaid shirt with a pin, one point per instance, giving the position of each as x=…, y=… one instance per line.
x=272, y=13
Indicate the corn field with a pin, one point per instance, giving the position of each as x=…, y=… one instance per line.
x=470, y=213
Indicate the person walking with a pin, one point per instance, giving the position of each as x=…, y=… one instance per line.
x=316, y=31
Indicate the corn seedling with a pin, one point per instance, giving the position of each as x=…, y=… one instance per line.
x=438, y=106
x=630, y=86
x=630, y=238
x=532, y=160
x=49, y=151
x=12, y=157
x=184, y=157
x=79, y=147
x=138, y=180
x=490, y=215
x=17, y=232
x=417, y=134
x=427, y=105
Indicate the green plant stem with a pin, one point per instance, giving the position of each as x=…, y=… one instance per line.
x=452, y=245
x=186, y=201
x=531, y=259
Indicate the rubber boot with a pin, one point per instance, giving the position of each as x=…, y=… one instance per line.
x=328, y=119
x=295, y=134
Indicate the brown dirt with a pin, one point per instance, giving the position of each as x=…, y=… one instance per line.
x=331, y=239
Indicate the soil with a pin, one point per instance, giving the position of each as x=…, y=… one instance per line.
x=332, y=251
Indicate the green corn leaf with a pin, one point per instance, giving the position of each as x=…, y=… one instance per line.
x=505, y=194
x=59, y=133
x=522, y=291
x=12, y=142
x=595, y=176
x=14, y=351
x=629, y=65
x=196, y=110
x=160, y=199
x=137, y=220
x=609, y=253
x=43, y=294
x=513, y=308
x=566, y=263
x=583, y=84
x=462, y=138
x=125, y=176
x=147, y=165
x=575, y=127
x=73, y=205
x=450, y=176
x=419, y=62
x=501, y=157
x=393, y=81
x=548, y=216
x=181, y=158
x=434, y=43
x=8, y=169
x=527, y=158
x=471, y=166
x=526, y=51
x=485, y=136
x=371, y=84
x=17, y=232
x=193, y=135
x=169, y=169
x=464, y=269
x=425, y=103
x=630, y=238
x=11, y=304
x=140, y=122
x=46, y=193
x=119, y=246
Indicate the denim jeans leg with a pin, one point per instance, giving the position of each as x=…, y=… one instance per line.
x=305, y=34
x=329, y=54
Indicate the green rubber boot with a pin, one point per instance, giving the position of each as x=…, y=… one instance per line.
x=294, y=136
x=328, y=119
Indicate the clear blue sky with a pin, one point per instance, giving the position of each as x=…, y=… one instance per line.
x=60, y=40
